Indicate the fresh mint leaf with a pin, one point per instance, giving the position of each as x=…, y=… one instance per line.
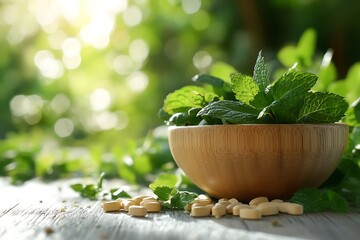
x=232, y=112
x=336, y=202
x=261, y=73
x=165, y=179
x=316, y=200
x=181, y=198
x=172, y=198
x=77, y=187
x=244, y=87
x=186, y=98
x=218, y=85
x=293, y=82
x=100, y=180
x=118, y=193
x=164, y=193
x=183, y=119
x=211, y=80
x=262, y=79
x=321, y=107
x=289, y=92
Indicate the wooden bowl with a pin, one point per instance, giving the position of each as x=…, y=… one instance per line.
x=248, y=161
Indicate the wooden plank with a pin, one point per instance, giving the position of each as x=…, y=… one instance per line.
x=52, y=211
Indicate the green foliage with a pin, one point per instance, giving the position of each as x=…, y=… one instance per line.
x=165, y=188
x=96, y=191
x=315, y=200
x=90, y=191
x=287, y=100
x=301, y=54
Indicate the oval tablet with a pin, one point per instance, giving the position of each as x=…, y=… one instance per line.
x=111, y=206
x=137, y=200
x=200, y=211
x=152, y=206
x=268, y=208
x=294, y=208
x=137, y=211
x=250, y=213
x=218, y=210
x=127, y=204
x=258, y=200
x=229, y=208
x=236, y=209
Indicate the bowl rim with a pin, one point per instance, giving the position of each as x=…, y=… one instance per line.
x=261, y=125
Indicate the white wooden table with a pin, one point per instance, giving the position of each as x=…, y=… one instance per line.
x=38, y=210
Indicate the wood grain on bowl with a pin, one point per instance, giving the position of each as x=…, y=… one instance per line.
x=247, y=161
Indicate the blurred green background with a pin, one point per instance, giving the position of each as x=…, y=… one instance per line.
x=81, y=81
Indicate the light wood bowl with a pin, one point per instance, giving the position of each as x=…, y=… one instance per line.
x=248, y=161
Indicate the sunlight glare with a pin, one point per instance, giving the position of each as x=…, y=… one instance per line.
x=60, y=103
x=64, y=127
x=49, y=66
x=97, y=32
x=139, y=50
x=100, y=99
x=123, y=64
x=137, y=81
x=132, y=16
x=202, y=59
x=191, y=6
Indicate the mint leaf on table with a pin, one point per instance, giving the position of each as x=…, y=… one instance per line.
x=321, y=107
x=165, y=187
x=165, y=179
x=116, y=193
x=89, y=191
x=181, y=198
x=316, y=200
x=172, y=198
x=231, y=112
x=96, y=191
x=164, y=193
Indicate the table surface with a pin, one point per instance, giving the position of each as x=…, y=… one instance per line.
x=38, y=210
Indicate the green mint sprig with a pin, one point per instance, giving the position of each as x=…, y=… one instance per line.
x=166, y=188
x=96, y=191
x=254, y=99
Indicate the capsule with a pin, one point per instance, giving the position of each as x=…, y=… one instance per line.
x=137, y=211
x=111, y=206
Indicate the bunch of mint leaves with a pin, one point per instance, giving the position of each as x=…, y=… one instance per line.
x=253, y=100
x=96, y=191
